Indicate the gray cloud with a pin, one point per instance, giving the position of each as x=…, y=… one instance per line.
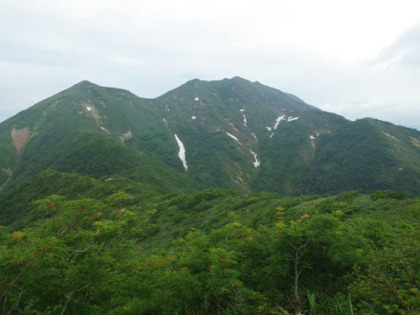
x=150, y=47
x=405, y=51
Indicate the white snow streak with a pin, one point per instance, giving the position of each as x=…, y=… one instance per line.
x=233, y=137
x=193, y=117
x=105, y=130
x=164, y=120
x=244, y=117
x=256, y=161
x=291, y=118
x=181, y=152
x=196, y=99
x=255, y=136
x=312, y=137
x=89, y=109
x=278, y=120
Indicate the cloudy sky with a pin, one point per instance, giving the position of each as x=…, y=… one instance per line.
x=355, y=58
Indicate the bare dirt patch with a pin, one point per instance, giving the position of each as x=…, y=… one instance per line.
x=20, y=138
x=91, y=110
x=8, y=172
x=232, y=126
x=391, y=136
x=415, y=141
x=127, y=136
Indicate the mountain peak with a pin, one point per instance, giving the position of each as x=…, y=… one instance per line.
x=235, y=79
x=239, y=79
x=234, y=134
x=85, y=84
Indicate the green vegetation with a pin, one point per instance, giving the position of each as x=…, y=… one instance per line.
x=99, y=216
x=213, y=252
x=107, y=132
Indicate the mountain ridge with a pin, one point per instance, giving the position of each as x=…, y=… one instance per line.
x=230, y=133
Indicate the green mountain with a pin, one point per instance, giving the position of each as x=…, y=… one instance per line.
x=231, y=134
x=94, y=131
x=104, y=207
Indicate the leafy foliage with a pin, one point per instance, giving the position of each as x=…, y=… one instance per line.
x=227, y=253
x=99, y=216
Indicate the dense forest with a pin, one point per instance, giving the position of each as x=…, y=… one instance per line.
x=213, y=252
x=218, y=197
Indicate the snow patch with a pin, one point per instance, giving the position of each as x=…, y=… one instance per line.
x=255, y=136
x=126, y=136
x=291, y=118
x=272, y=134
x=193, y=117
x=164, y=120
x=256, y=161
x=233, y=137
x=312, y=137
x=278, y=120
x=88, y=108
x=181, y=152
x=244, y=117
x=196, y=99
x=105, y=130
x=268, y=128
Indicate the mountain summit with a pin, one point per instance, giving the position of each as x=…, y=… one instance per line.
x=230, y=133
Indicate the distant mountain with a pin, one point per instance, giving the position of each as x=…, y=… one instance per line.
x=229, y=134
x=101, y=132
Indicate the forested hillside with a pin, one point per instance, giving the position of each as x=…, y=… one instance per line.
x=231, y=134
x=213, y=252
x=218, y=197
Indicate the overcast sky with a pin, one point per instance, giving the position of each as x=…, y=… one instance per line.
x=355, y=58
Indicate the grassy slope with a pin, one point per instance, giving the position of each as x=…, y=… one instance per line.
x=319, y=153
x=360, y=156
x=69, y=138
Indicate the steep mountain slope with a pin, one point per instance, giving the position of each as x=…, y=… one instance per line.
x=230, y=134
x=85, y=129
x=234, y=129
x=367, y=154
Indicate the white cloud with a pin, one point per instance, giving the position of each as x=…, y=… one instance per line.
x=404, y=52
